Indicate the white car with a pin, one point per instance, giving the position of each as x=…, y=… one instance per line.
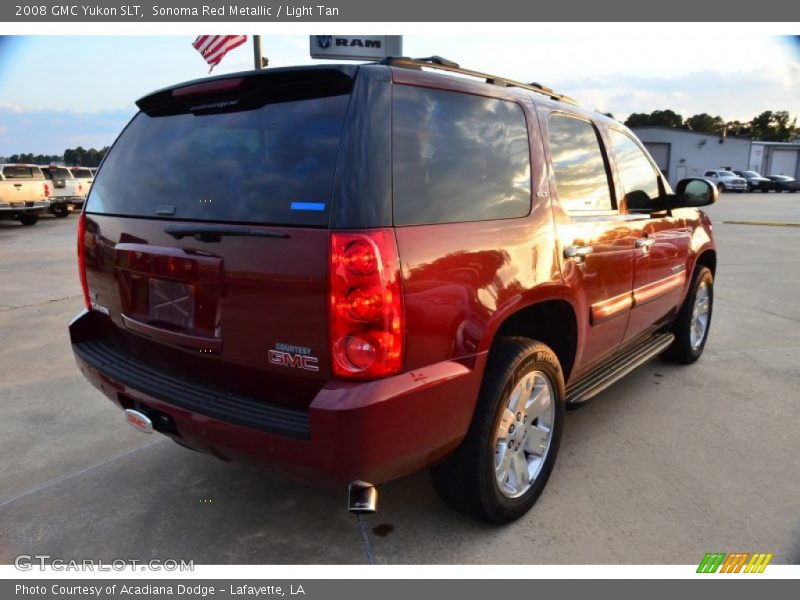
x=727, y=180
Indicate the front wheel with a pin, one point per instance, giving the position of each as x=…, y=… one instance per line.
x=505, y=460
x=720, y=187
x=694, y=319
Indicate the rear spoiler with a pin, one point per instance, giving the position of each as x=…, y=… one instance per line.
x=249, y=89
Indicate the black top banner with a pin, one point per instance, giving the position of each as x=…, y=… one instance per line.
x=257, y=11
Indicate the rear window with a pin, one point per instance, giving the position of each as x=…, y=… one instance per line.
x=271, y=165
x=458, y=157
x=58, y=173
x=82, y=173
x=22, y=173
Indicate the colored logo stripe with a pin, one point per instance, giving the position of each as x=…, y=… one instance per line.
x=734, y=562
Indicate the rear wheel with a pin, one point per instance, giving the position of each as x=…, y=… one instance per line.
x=506, y=458
x=694, y=319
x=28, y=218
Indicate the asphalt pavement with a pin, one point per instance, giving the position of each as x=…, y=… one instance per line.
x=668, y=464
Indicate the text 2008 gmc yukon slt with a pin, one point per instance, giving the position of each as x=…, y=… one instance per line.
x=355, y=272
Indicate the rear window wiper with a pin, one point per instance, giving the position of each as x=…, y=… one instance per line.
x=214, y=233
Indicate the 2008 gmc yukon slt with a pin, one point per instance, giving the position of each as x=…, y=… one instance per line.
x=355, y=272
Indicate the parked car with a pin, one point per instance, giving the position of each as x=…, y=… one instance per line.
x=23, y=193
x=85, y=176
x=755, y=181
x=68, y=191
x=727, y=180
x=356, y=272
x=784, y=183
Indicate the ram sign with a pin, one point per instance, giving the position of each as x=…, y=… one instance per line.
x=356, y=47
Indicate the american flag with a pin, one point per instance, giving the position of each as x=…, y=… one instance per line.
x=213, y=48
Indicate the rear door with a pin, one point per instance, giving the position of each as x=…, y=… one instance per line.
x=207, y=233
x=595, y=240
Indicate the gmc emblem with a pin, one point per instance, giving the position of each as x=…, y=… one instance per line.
x=294, y=361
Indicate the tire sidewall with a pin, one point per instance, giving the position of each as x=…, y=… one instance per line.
x=703, y=275
x=512, y=508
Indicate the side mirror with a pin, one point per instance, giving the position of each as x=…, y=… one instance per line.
x=694, y=193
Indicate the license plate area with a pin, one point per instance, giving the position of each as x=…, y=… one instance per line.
x=171, y=303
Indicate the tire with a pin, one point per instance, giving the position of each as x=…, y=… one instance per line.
x=61, y=210
x=720, y=187
x=689, y=345
x=28, y=218
x=468, y=480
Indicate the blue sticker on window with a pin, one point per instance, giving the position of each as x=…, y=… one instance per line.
x=308, y=206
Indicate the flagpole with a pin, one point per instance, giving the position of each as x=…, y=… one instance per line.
x=257, y=51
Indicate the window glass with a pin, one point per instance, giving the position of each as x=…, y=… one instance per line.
x=458, y=157
x=580, y=171
x=22, y=173
x=639, y=178
x=274, y=164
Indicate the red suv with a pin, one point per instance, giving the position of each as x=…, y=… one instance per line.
x=355, y=272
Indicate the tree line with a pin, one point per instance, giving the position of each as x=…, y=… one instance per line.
x=769, y=126
x=79, y=157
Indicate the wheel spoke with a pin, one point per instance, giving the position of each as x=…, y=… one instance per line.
x=503, y=457
x=536, y=442
x=505, y=423
x=521, y=475
x=540, y=400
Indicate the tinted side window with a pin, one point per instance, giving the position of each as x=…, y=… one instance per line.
x=581, y=176
x=458, y=157
x=639, y=178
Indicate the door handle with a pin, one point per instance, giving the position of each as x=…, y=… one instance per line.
x=645, y=242
x=578, y=253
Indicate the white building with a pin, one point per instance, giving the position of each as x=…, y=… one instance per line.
x=681, y=153
x=776, y=158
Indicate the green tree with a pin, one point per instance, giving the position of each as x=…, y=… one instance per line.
x=660, y=118
x=706, y=123
x=774, y=126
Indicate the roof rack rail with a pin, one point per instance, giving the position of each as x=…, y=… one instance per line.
x=443, y=64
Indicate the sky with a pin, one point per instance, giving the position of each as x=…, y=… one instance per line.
x=59, y=92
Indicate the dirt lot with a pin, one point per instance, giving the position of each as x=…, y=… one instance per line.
x=666, y=465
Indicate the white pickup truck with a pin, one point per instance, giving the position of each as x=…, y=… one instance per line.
x=68, y=191
x=24, y=193
x=85, y=176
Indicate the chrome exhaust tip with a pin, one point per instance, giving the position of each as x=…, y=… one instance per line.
x=362, y=498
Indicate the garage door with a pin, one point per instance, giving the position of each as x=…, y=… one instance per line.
x=784, y=162
x=660, y=154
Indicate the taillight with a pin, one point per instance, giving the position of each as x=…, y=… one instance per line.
x=82, y=260
x=46, y=190
x=366, y=305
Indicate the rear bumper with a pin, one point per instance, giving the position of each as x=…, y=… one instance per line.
x=22, y=208
x=73, y=200
x=375, y=431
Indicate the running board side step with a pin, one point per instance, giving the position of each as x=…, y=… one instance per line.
x=609, y=373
